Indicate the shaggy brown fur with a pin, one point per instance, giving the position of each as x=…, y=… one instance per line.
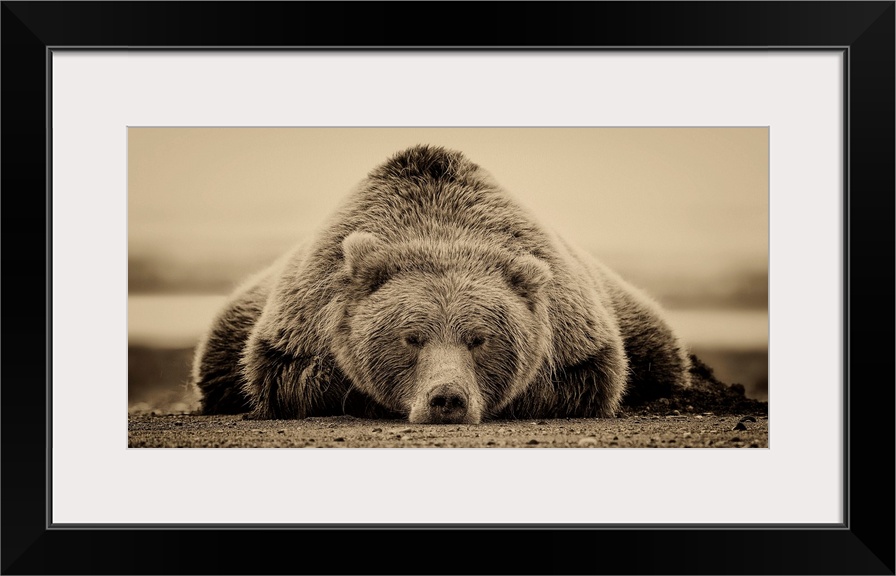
x=432, y=295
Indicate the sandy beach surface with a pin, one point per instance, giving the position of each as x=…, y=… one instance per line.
x=689, y=430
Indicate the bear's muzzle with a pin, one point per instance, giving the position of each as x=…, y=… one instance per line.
x=446, y=390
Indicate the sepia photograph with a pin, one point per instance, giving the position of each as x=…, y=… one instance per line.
x=448, y=287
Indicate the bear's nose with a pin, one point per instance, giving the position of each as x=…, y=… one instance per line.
x=447, y=404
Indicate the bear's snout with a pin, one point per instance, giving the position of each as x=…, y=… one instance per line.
x=446, y=390
x=448, y=404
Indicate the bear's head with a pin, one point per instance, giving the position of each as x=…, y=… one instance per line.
x=442, y=331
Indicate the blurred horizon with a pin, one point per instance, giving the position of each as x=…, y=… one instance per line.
x=738, y=283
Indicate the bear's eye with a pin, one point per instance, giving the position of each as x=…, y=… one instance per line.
x=475, y=342
x=414, y=340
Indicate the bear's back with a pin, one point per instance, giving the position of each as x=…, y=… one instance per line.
x=429, y=192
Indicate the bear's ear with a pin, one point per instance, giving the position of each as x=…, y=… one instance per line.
x=527, y=275
x=362, y=266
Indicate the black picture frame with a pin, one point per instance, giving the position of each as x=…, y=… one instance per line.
x=864, y=544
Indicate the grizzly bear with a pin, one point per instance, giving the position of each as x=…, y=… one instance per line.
x=431, y=295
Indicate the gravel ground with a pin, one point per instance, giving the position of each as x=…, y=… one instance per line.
x=690, y=430
x=708, y=414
